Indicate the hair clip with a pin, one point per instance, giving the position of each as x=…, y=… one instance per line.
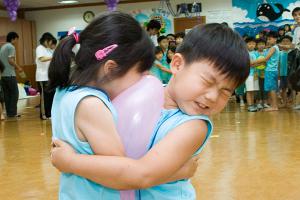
x=72, y=31
x=102, y=53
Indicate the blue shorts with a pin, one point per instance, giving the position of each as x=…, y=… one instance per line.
x=271, y=81
x=283, y=82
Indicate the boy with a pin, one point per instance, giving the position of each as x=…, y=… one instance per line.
x=283, y=67
x=252, y=80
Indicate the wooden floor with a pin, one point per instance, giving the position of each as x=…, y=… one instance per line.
x=253, y=156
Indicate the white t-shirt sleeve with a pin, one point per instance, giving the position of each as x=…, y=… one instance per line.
x=41, y=52
x=11, y=51
x=296, y=36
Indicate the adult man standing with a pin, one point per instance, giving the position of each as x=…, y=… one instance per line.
x=9, y=81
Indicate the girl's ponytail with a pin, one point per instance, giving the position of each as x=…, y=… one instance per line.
x=60, y=66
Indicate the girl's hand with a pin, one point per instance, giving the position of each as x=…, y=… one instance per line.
x=61, y=155
x=190, y=167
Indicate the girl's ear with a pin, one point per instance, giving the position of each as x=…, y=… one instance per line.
x=109, y=66
x=177, y=63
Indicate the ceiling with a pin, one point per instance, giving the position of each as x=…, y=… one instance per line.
x=53, y=3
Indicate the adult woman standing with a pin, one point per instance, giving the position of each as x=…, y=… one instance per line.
x=43, y=58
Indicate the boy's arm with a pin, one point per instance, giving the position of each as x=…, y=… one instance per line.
x=155, y=168
x=265, y=59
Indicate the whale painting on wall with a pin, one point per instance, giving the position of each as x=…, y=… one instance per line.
x=263, y=14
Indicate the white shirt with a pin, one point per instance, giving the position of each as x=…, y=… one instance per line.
x=42, y=67
x=154, y=39
x=296, y=37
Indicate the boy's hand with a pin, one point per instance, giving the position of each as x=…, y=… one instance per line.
x=61, y=155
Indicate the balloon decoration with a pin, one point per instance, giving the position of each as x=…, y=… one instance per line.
x=111, y=4
x=138, y=109
x=12, y=7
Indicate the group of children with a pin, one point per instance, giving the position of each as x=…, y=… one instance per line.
x=84, y=119
x=164, y=53
x=269, y=69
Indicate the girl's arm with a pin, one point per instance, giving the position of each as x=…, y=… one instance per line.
x=94, y=123
x=161, y=67
x=45, y=59
x=156, y=167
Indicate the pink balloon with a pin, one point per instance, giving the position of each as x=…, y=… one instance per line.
x=138, y=109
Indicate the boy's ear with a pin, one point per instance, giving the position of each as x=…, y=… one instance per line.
x=177, y=63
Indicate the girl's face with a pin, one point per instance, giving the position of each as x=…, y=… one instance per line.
x=198, y=88
x=251, y=45
x=170, y=54
x=281, y=32
x=48, y=44
x=272, y=41
x=261, y=46
x=159, y=56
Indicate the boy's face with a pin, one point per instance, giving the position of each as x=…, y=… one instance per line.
x=179, y=40
x=261, y=46
x=199, y=88
x=286, y=41
x=159, y=56
x=251, y=45
x=272, y=41
x=164, y=44
x=153, y=31
x=170, y=38
x=296, y=17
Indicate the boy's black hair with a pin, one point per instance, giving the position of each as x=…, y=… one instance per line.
x=134, y=49
x=180, y=35
x=158, y=50
x=250, y=39
x=160, y=38
x=46, y=37
x=260, y=40
x=297, y=9
x=272, y=34
x=11, y=36
x=286, y=37
x=173, y=49
x=221, y=46
x=153, y=24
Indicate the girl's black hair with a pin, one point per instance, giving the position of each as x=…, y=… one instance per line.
x=173, y=49
x=158, y=50
x=287, y=25
x=221, y=46
x=46, y=37
x=134, y=47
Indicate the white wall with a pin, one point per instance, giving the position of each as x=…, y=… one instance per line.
x=62, y=19
x=3, y=13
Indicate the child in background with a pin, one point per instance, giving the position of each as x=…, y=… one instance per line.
x=179, y=38
x=252, y=80
x=164, y=44
x=208, y=65
x=271, y=71
x=170, y=53
x=158, y=68
x=283, y=66
x=261, y=53
x=1, y=93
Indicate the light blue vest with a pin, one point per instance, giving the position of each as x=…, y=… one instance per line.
x=272, y=63
x=182, y=189
x=73, y=187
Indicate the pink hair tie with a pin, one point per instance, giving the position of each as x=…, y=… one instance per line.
x=72, y=31
x=102, y=53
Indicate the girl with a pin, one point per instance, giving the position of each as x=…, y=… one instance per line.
x=158, y=69
x=202, y=82
x=170, y=53
x=82, y=114
x=43, y=58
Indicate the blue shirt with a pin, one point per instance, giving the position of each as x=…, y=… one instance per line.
x=283, y=63
x=182, y=189
x=253, y=57
x=272, y=63
x=65, y=102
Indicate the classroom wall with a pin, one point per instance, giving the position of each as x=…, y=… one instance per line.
x=62, y=19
